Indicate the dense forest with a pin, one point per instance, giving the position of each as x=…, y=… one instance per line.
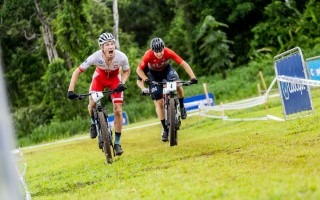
x=44, y=41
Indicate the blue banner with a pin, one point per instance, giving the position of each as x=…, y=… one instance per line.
x=314, y=67
x=295, y=97
x=192, y=103
x=124, y=116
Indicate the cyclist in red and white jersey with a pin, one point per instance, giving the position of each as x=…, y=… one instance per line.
x=108, y=62
x=157, y=60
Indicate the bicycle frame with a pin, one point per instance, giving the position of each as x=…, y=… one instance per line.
x=103, y=127
x=172, y=114
x=171, y=105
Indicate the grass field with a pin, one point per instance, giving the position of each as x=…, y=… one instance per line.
x=214, y=159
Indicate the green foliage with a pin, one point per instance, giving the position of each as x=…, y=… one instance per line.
x=55, y=82
x=290, y=27
x=214, y=48
x=143, y=18
x=23, y=77
x=54, y=131
x=178, y=39
x=78, y=26
x=27, y=119
x=282, y=20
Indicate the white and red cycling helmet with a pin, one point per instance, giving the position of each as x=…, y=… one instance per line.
x=105, y=37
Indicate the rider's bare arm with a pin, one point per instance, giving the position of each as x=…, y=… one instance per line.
x=74, y=79
x=125, y=75
x=188, y=69
x=141, y=73
x=140, y=84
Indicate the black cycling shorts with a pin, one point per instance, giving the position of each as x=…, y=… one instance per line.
x=168, y=74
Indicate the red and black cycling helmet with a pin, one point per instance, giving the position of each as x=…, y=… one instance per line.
x=157, y=45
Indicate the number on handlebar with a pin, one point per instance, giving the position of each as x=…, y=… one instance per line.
x=171, y=87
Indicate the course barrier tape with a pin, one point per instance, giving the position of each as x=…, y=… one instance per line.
x=255, y=101
x=301, y=81
x=17, y=153
x=239, y=105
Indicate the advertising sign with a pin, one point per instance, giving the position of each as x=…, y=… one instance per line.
x=295, y=97
x=313, y=65
x=124, y=116
x=192, y=103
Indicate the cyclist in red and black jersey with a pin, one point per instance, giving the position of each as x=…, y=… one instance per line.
x=157, y=60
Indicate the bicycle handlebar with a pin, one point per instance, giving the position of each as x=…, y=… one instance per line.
x=104, y=92
x=163, y=83
x=184, y=83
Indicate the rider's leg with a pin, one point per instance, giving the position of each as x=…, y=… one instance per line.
x=159, y=104
x=180, y=93
x=91, y=105
x=118, y=119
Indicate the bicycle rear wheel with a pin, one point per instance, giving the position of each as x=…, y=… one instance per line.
x=106, y=143
x=172, y=125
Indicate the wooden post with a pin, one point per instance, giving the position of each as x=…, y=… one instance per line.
x=263, y=82
x=259, y=89
x=265, y=88
x=222, y=112
x=206, y=93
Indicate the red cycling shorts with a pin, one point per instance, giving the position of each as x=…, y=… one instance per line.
x=102, y=79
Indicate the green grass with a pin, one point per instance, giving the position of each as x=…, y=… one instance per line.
x=213, y=160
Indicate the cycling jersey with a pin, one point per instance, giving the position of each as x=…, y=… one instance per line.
x=106, y=76
x=157, y=64
x=96, y=59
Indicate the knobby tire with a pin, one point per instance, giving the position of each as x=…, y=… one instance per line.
x=172, y=125
x=104, y=133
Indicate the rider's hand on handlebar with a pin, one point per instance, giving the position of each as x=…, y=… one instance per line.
x=194, y=81
x=120, y=88
x=73, y=96
x=145, y=91
x=148, y=81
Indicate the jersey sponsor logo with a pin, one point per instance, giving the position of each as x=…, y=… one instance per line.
x=154, y=89
x=100, y=62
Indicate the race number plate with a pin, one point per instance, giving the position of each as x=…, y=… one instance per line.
x=171, y=87
x=96, y=96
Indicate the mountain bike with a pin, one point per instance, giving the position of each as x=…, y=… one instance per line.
x=171, y=107
x=103, y=128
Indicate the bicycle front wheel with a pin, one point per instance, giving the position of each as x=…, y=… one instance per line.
x=104, y=133
x=172, y=125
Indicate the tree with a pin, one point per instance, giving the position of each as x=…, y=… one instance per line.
x=214, y=47
x=47, y=33
x=116, y=23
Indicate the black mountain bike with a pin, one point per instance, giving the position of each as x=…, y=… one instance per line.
x=171, y=106
x=103, y=127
